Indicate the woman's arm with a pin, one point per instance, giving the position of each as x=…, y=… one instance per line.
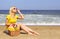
x=20, y=15
x=6, y=22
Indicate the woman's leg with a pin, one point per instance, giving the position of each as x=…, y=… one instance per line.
x=28, y=30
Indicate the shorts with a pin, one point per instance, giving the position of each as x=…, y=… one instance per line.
x=12, y=27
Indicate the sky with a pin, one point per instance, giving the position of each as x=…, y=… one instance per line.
x=30, y=4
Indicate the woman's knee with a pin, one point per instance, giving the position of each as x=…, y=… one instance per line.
x=20, y=24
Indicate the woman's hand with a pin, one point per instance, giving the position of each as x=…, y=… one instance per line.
x=18, y=11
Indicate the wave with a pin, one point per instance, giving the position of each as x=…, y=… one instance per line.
x=35, y=19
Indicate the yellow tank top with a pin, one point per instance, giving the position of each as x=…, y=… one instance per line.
x=11, y=20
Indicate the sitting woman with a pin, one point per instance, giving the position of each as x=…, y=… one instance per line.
x=11, y=20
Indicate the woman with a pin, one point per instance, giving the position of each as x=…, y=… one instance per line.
x=11, y=20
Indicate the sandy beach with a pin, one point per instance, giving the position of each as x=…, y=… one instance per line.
x=46, y=32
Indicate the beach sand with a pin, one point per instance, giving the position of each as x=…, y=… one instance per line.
x=46, y=32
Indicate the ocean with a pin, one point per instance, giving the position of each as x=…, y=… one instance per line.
x=35, y=17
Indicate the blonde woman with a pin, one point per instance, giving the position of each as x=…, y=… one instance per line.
x=11, y=20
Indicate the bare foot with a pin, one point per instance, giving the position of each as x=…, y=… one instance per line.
x=31, y=34
x=35, y=33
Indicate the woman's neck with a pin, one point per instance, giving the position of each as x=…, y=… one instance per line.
x=12, y=14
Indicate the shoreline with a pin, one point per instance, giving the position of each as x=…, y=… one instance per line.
x=37, y=25
x=42, y=24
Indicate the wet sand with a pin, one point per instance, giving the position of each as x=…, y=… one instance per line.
x=46, y=32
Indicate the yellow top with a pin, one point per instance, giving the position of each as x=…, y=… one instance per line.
x=11, y=20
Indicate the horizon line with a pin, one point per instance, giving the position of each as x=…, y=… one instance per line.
x=33, y=9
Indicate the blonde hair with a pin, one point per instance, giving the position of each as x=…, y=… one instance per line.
x=10, y=10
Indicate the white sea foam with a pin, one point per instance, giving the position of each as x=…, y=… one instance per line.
x=37, y=24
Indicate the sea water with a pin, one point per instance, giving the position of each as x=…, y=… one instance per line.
x=35, y=17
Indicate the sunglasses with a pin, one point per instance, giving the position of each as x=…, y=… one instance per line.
x=15, y=8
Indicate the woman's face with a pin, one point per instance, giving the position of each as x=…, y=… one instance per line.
x=14, y=10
